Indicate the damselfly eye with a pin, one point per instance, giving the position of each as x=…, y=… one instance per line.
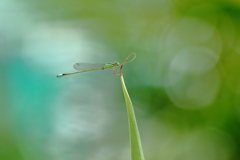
x=116, y=63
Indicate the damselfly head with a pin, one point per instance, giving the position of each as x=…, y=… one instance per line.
x=116, y=63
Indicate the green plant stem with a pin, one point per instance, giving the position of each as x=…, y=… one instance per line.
x=136, y=146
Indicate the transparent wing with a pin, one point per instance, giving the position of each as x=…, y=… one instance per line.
x=116, y=70
x=87, y=66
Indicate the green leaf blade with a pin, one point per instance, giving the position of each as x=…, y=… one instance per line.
x=136, y=146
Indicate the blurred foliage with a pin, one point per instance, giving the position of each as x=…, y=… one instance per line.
x=184, y=83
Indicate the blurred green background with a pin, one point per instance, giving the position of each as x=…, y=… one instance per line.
x=184, y=83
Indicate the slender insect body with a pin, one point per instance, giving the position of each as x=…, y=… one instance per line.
x=86, y=67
